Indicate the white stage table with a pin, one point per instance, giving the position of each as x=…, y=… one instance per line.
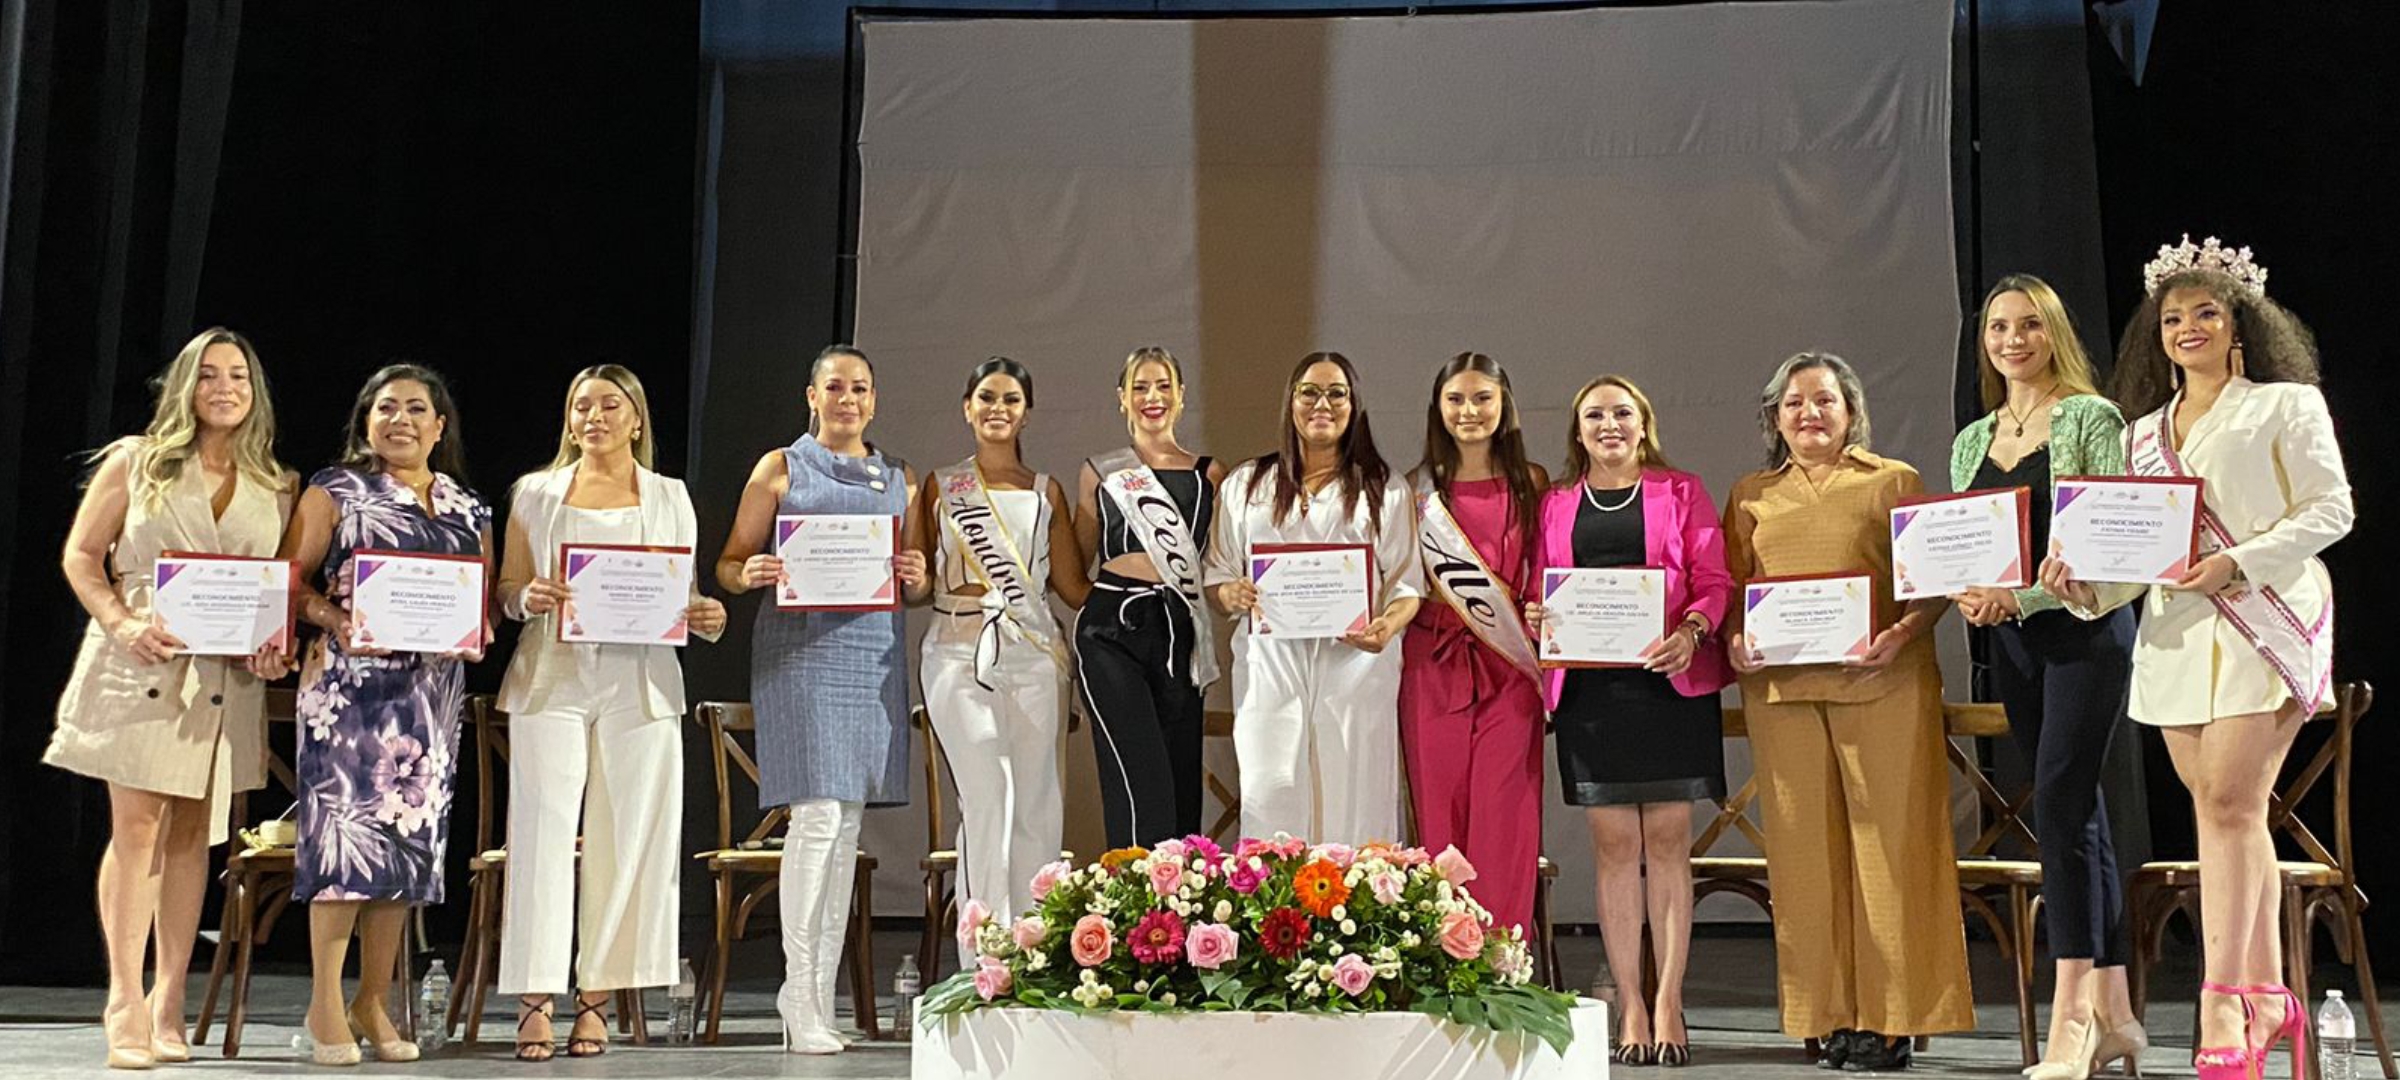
x=1055, y=1045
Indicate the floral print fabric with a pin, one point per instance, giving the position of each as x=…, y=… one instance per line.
x=379, y=735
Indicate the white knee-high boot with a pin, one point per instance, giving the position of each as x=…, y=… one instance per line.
x=808, y=847
x=834, y=925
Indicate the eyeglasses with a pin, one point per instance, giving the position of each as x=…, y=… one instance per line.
x=1312, y=395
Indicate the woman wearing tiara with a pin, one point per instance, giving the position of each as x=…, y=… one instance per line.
x=1145, y=645
x=2232, y=657
x=1000, y=540
x=1316, y=721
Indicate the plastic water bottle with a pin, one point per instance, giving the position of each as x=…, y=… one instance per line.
x=433, y=1009
x=907, y=983
x=2337, y=1033
x=682, y=1006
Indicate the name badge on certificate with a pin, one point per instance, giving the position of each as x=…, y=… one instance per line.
x=1943, y=545
x=625, y=595
x=1602, y=617
x=222, y=605
x=837, y=562
x=2134, y=529
x=1821, y=619
x=414, y=602
x=1311, y=590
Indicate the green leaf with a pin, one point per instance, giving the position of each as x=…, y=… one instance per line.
x=1466, y=1009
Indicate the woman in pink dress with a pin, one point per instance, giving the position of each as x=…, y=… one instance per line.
x=1470, y=708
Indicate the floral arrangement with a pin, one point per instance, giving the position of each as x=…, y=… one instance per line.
x=1275, y=925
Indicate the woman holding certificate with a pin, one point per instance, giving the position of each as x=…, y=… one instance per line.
x=1001, y=539
x=1470, y=709
x=2061, y=678
x=1315, y=549
x=1641, y=738
x=1844, y=706
x=598, y=564
x=381, y=690
x=174, y=733
x=828, y=677
x=1147, y=652
x=2237, y=650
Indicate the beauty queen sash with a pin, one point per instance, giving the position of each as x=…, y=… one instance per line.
x=2300, y=653
x=1479, y=596
x=1013, y=604
x=1167, y=539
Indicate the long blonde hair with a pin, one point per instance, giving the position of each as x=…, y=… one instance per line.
x=2068, y=363
x=173, y=436
x=1579, y=460
x=570, y=450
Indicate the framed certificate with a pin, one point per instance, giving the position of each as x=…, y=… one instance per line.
x=625, y=594
x=402, y=601
x=837, y=562
x=1602, y=617
x=1810, y=619
x=1312, y=590
x=1943, y=545
x=2136, y=529
x=222, y=605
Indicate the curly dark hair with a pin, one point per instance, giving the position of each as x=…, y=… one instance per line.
x=2275, y=345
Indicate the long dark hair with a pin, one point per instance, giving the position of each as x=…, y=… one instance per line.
x=2275, y=345
x=1363, y=469
x=448, y=456
x=1508, y=443
x=1001, y=365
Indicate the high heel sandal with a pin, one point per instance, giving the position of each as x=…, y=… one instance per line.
x=2294, y=1026
x=2124, y=1042
x=580, y=1047
x=2244, y=1062
x=542, y=1049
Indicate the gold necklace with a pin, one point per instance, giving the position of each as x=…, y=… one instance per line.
x=2035, y=407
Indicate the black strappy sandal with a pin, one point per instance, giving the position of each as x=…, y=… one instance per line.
x=579, y=1047
x=542, y=1049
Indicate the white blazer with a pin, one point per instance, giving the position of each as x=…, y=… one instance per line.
x=667, y=520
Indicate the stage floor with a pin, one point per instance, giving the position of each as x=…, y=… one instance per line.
x=46, y=1032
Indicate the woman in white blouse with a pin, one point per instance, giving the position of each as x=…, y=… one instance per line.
x=1317, y=722
x=2231, y=658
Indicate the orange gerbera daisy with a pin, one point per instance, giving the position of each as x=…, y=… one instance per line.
x=1318, y=886
x=1121, y=857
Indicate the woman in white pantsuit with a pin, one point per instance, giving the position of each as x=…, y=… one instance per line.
x=1316, y=728
x=594, y=729
x=1001, y=541
x=2230, y=659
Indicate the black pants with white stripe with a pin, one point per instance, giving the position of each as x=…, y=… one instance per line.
x=1146, y=720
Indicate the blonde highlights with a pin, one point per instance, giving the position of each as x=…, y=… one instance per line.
x=570, y=449
x=172, y=438
x=1649, y=453
x=2070, y=366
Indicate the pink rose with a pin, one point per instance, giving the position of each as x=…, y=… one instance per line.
x=1167, y=849
x=971, y=917
x=1352, y=974
x=992, y=978
x=1387, y=887
x=1165, y=875
x=1341, y=855
x=1029, y=932
x=1462, y=936
x=1246, y=876
x=1048, y=877
x=1092, y=942
x=1211, y=945
x=1453, y=866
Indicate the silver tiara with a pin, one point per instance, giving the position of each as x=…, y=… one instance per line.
x=2208, y=254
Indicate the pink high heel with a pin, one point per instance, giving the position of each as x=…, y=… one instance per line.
x=2247, y=1062
x=2294, y=1026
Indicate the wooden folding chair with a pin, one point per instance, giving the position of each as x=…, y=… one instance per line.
x=2320, y=886
x=487, y=882
x=746, y=872
x=941, y=859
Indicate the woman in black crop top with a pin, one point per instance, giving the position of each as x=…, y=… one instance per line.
x=1145, y=644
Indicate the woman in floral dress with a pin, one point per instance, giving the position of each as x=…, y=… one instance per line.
x=378, y=748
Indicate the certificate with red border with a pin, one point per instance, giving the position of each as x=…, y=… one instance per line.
x=1809, y=618
x=1943, y=545
x=1308, y=591
x=412, y=601
x=837, y=562
x=222, y=605
x=1602, y=617
x=625, y=594
x=2136, y=529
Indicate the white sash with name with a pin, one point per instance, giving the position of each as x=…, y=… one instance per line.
x=1013, y=603
x=1166, y=537
x=1460, y=577
x=2301, y=653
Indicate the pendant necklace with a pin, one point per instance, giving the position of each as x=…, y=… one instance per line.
x=2020, y=420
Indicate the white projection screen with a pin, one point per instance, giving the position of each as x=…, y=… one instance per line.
x=1684, y=195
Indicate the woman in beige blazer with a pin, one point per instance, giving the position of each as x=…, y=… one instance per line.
x=173, y=735
x=2231, y=658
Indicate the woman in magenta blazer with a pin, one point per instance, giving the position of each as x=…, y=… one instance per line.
x=1636, y=746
